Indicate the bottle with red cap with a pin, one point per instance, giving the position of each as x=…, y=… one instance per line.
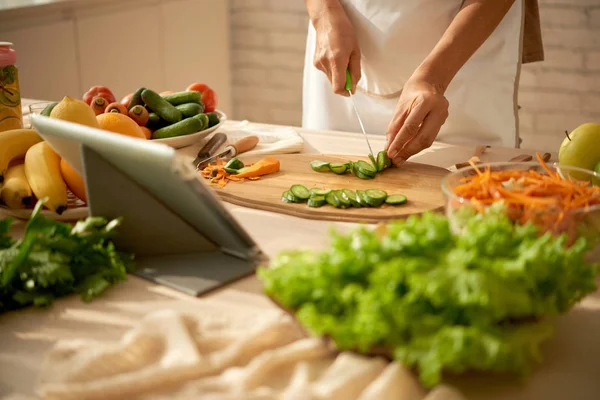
x=11, y=116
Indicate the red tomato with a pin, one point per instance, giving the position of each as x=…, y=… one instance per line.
x=209, y=97
x=98, y=91
x=127, y=99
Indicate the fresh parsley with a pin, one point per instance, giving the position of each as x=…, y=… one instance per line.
x=55, y=259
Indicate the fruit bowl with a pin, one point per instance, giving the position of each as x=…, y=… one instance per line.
x=554, y=218
x=178, y=142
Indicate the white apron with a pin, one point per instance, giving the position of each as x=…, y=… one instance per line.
x=395, y=36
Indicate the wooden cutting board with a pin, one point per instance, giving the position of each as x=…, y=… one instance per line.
x=420, y=183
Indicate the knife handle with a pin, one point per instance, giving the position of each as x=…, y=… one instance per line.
x=213, y=144
x=243, y=145
x=348, y=80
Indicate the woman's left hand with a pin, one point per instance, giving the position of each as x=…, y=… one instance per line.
x=421, y=111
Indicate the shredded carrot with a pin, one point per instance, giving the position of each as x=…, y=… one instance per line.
x=547, y=199
x=217, y=176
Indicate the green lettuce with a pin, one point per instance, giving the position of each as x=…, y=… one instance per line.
x=439, y=301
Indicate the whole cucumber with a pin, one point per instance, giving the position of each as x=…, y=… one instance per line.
x=160, y=106
x=204, y=119
x=183, y=97
x=213, y=119
x=181, y=128
x=136, y=99
x=190, y=109
x=155, y=122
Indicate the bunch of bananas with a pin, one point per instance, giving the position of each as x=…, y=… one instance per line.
x=30, y=168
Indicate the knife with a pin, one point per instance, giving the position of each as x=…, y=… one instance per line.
x=241, y=146
x=210, y=147
x=349, y=89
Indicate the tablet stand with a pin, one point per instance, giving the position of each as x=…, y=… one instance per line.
x=167, y=249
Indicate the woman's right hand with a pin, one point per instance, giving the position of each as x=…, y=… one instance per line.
x=336, y=47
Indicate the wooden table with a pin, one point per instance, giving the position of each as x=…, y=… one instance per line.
x=572, y=358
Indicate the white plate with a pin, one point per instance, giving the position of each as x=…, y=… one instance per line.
x=178, y=142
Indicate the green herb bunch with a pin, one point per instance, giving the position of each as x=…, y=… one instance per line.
x=54, y=259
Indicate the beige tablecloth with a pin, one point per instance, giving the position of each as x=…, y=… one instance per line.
x=571, y=369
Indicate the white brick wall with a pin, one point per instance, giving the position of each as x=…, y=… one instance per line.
x=269, y=36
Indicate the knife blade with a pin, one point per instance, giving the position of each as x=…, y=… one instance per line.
x=362, y=127
x=210, y=147
x=241, y=146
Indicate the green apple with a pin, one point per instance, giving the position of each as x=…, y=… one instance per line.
x=581, y=148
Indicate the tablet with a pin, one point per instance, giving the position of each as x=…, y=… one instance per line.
x=173, y=221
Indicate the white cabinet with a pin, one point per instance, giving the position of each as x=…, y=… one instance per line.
x=68, y=46
x=46, y=57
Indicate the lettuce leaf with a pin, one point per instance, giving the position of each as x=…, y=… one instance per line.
x=440, y=301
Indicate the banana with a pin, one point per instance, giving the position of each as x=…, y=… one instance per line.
x=42, y=168
x=13, y=145
x=16, y=192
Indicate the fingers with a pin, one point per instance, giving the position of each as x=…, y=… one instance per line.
x=409, y=129
x=425, y=137
x=354, y=67
x=338, y=67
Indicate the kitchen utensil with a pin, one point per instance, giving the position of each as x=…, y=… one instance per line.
x=362, y=127
x=479, y=150
x=520, y=158
x=210, y=148
x=239, y=147
x=420, y=183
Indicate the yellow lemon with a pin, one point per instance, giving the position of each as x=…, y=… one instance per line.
x=76, y=111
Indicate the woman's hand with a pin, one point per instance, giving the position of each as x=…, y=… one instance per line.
x=421, y=111
x=336, y=47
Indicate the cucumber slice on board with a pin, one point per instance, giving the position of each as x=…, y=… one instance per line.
x=365, y=168
x=316, y=201
x=375, y=197
x=234, y=163
x=289, y=197
x=361, y=197
x=343, y=201
x=300, y=192
x=319, y=192
x=319, y=166
x=338, y=168
x=332, y=199
x=396, y=199
x=350, y=196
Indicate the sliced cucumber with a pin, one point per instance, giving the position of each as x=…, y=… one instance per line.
x=375, y=197
x=361, y=197
x=319, y=192
x=338, y=168
x=344, y=202
x=319, y=166
x=374, y=162
x=383, y=161
x=365, y=168
x=360, y=175
x=290, y=198
x=316, y=201
x=350, y=195
x=395, y=199
x=300, y=192
x=234, y=163
x=231, y=170
x=285, y=197
x=332, y=199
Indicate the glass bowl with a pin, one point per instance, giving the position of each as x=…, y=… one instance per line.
x=37, y=108
x=576, y=222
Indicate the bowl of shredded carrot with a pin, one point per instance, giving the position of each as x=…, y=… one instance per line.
x=546, y=195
